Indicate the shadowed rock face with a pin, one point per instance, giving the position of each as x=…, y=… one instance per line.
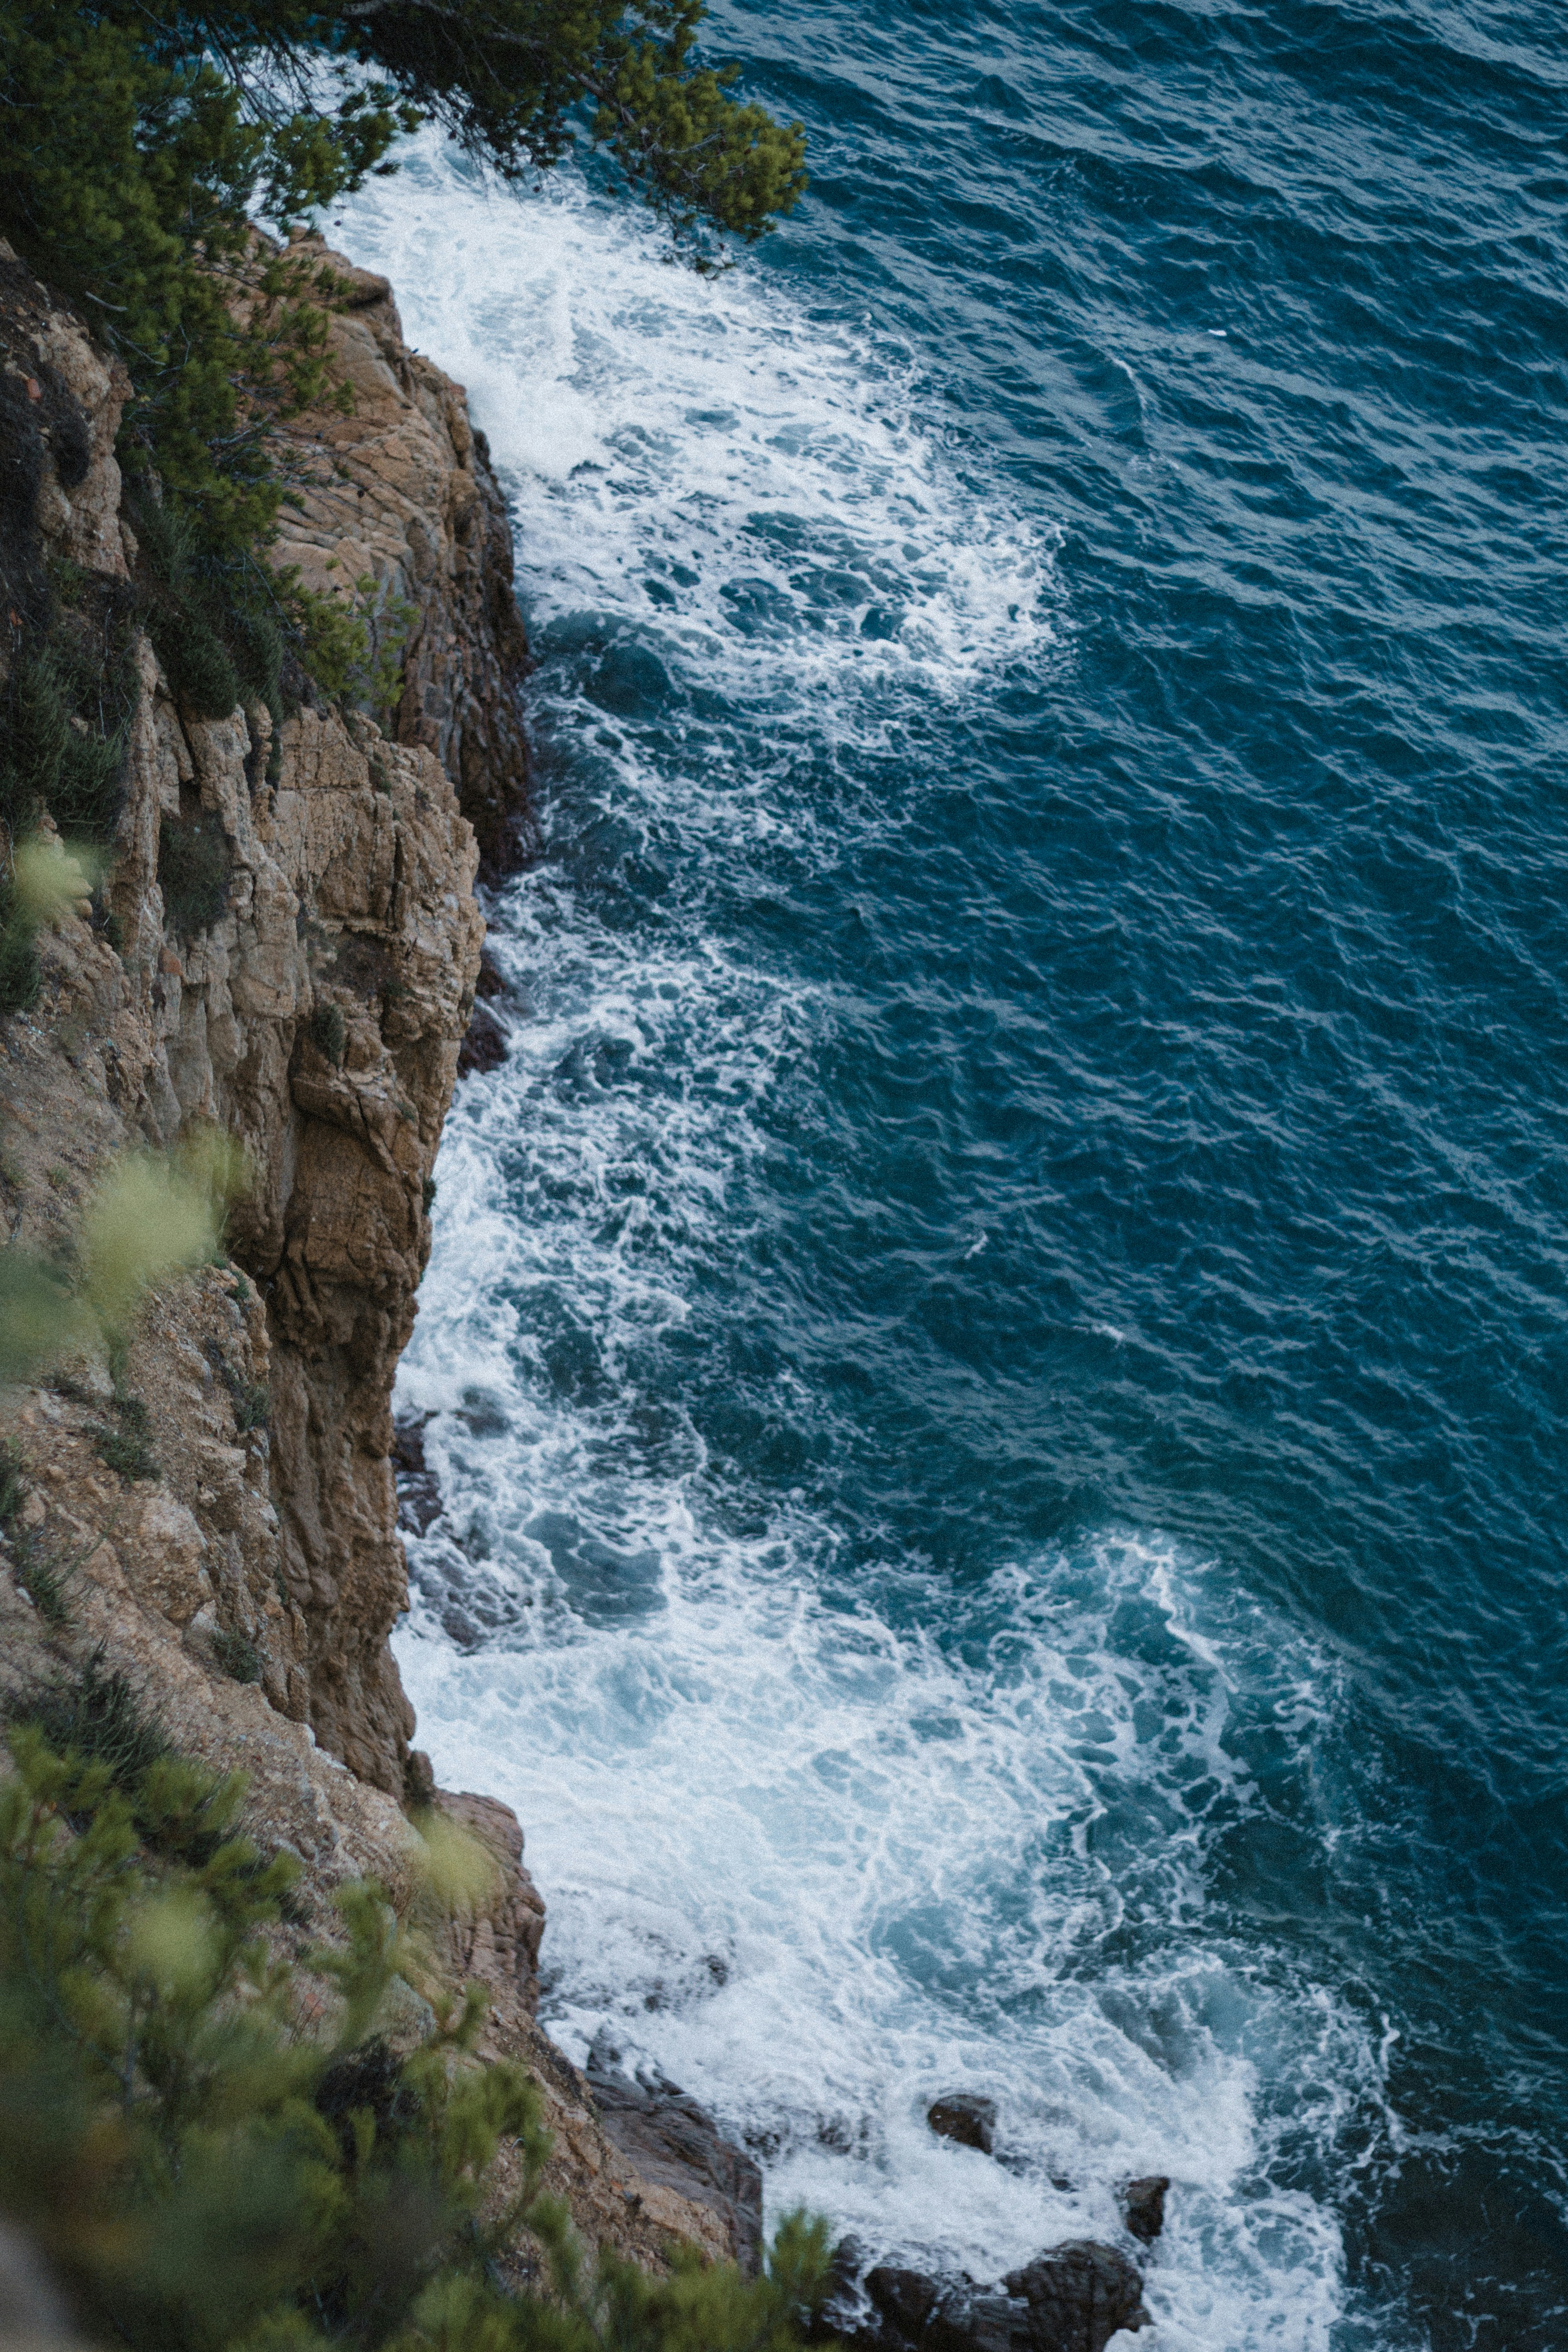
x=674, y=2143
x=1077, y=2296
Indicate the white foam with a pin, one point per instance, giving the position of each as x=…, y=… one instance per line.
x=816, y=1865
x=769, y=474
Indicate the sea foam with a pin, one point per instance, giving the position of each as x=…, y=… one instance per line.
x=818, y=1865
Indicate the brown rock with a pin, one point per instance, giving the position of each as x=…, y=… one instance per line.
x=264, y=1394
x=351, y=889
x=412, y=499
x=676, y=2144
x=498, y=1942
x=965, y=2117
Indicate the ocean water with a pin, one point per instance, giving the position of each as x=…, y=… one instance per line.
x=996, y=1350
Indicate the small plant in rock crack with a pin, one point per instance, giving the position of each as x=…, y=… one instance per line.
x=329, y=1033
x=13, y=1488
x=252, y=1399
x=46, y=1573
x=240, y=1659
x=39, y=1571
x=126, y=1449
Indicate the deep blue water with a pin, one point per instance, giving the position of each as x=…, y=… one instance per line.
x=1000, y=1344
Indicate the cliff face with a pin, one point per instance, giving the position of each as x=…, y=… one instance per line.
x=214, y=1515
x=318, y=1020
x=407, y=496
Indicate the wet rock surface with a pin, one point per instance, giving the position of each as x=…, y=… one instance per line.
x=964, y=2116
x=1143, y=2202
x=1072, y=2298
x=676, y=2144
x=1077, y=2296
x=484, y=1042
x=418, y=1495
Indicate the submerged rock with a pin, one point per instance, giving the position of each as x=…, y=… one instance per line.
x=967, y=2117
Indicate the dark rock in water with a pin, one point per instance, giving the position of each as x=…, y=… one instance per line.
x=676, y=2144
x=903, y=2301
x=964, y=2116
x=419, y=1495
x=1078, y=2295
x=1143, y=2202
x=490, y=981
x=1072, y=2299
x=484, y=1045
x=838, y=2320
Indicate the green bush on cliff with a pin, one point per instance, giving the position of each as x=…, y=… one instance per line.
x=138, y=137
x=204, y=2168
x=141, y=134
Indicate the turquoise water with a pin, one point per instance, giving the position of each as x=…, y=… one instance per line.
x=998, y=1346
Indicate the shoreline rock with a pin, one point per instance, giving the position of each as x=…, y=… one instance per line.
x=675, y=2143
x=1072, y=2298
x=967, y=2117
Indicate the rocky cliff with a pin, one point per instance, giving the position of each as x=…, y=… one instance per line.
x=211, y=1515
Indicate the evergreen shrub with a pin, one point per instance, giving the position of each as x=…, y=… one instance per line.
x=208, y=2171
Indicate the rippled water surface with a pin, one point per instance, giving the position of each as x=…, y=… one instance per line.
x=997, y=1348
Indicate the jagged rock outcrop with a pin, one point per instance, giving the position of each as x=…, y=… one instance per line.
x=497, y=1941
x=407, y=496
x=1073, y=2298
x=676, y=2143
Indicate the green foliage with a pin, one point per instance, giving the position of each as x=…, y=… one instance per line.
x=56, y=750
x=240, y=1658
x=125, y=1451
x=329, y=1033
x=65, y=701
x=43, y=1575
x=38, y=1315
x=204, y=2173
x=138, y=135
x=12, y=1488
x=515, y=80
x=352, y=642
x=128, y=164
x=193, y=865
x=20, y=978
x=252, y=1399
x=98, y=1717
